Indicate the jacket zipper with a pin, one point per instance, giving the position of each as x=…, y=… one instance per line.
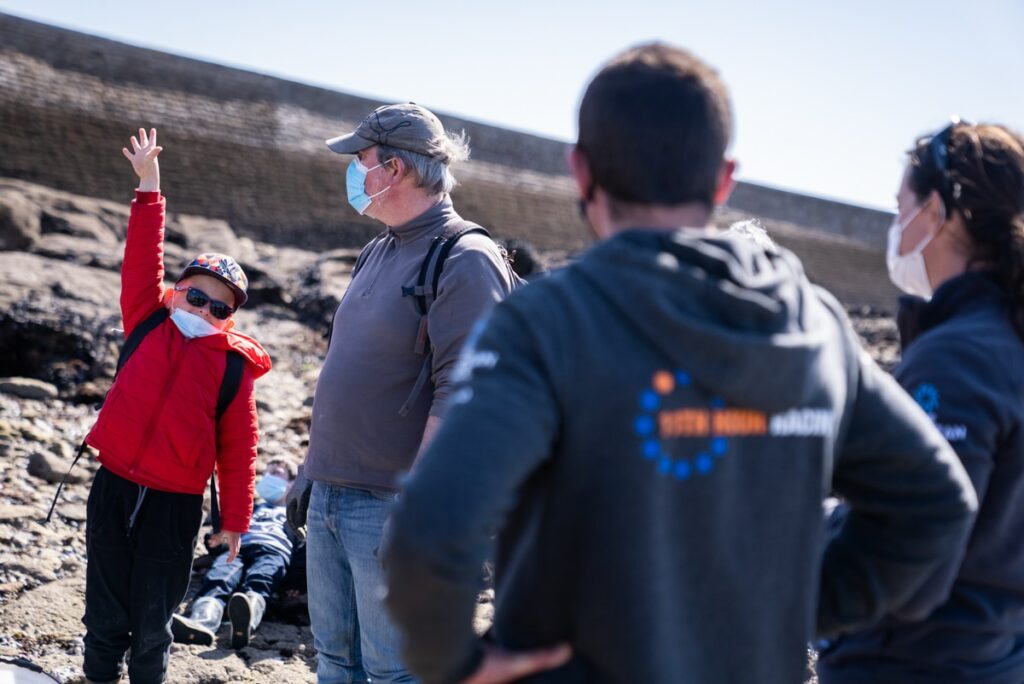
x=159, y=406
x=392, y=247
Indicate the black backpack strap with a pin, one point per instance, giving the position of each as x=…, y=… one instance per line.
x=131, y=343
x=427, y=266
x=232, y=381
x=229, y=385
x=433, y=265
x=446, y=249
x=137, y=334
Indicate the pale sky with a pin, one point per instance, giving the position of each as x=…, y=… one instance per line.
x=827, y=95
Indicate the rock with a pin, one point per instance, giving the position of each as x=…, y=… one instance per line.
x=28, y=388
x=19, y=221
x=40, y=569
x=82, y=251
x=61, y=449
x=71, y=512
x=35, y=434
x=50, y=467
x=197, y=235
x=79, y=222
x=320, y=288
x=14, y=515
x=52, y=611
x=56, y=318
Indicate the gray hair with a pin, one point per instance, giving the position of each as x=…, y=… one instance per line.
x=432, y=173
x=753, y=231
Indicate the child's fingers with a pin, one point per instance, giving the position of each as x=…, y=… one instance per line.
x=142, y=137
x=152, y=154
x=125, y=152
x=152, y=137
x=135, y=144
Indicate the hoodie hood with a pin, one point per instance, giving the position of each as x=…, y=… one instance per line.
x=251, y=350
x=739, y=318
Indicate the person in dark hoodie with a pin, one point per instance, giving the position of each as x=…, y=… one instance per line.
x=957, y=248
x=651, y=432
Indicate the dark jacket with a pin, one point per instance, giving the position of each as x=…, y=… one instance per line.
x=964, y=364
x=652, y=431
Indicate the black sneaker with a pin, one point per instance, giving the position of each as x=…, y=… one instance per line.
x=240, y=615
x=186, y=631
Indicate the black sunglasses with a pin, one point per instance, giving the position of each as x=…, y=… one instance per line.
x=199, y=299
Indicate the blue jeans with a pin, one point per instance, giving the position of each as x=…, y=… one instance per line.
x=351, y=631
x=256, y=568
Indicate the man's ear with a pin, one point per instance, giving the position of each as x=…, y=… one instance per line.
x=395, y=168
x=726, y=181
x=579, y=167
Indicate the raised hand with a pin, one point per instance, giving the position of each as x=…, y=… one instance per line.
x=143, y=158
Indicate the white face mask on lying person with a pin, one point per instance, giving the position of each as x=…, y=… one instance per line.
x=191, y=325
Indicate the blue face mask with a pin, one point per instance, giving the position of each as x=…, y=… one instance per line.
x=271, y=488
x=191, y=325
x=355, y=184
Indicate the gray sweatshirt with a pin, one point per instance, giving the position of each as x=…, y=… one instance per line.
x=651, y=432
x=357, y=436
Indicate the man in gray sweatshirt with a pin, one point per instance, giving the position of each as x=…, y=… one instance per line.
x=651, y=432
x=387, y=376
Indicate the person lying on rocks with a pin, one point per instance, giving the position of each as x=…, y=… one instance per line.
x=246, y=582
x=160, y=435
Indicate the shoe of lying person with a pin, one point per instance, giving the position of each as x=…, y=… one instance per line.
x=245, y=611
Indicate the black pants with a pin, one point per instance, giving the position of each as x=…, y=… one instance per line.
x=257, y=568
x=137, y=574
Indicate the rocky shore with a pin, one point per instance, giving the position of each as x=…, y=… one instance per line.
x=59, y=261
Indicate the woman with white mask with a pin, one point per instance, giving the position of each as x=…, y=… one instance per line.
x=957, y=248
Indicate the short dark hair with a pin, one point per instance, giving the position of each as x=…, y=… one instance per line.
x=654, y=125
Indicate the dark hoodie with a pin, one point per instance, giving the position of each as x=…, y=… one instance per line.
x=964, y=363
x=652, y=431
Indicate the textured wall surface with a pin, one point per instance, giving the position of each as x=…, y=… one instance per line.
x=248, y=148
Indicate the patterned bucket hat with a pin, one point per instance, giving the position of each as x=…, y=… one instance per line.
x=223, y=268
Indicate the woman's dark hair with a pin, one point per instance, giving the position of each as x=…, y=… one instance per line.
x=983, y=180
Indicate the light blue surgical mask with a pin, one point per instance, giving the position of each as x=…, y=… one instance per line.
x=191, y=325
x=355, y=184
x=271, y=489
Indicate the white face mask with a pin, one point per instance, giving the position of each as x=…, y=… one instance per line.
x=908, y=271
x=191, y=325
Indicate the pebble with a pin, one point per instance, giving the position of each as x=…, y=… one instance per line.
x=28, y=388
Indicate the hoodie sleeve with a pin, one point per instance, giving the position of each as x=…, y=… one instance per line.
x=473, y=280
x=237, y=436
x=910, y=507
x=142, y=272
x=499, y=429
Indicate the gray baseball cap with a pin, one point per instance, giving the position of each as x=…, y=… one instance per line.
x=405, y=126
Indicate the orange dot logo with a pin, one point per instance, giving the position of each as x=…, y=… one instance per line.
x=663, y=383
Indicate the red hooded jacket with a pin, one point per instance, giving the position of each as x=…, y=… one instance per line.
x=157, y=426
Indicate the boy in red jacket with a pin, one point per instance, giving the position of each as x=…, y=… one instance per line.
x=158, y=440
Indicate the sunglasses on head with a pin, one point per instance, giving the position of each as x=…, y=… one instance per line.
x=199, y=299
x=938, y=150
